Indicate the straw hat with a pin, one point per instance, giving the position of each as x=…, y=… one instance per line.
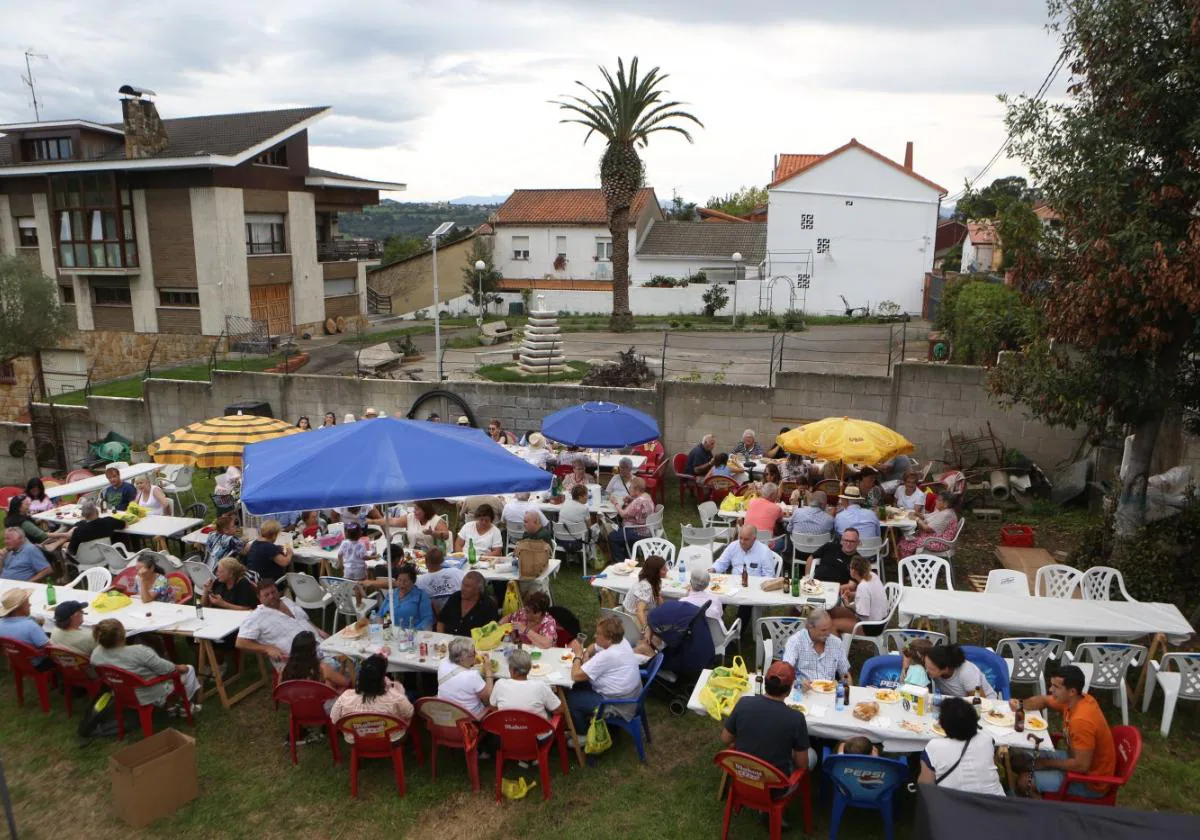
x=462, y=420
x=370, y=412
x=12, y=601
x=536, y=440
x=851, y=494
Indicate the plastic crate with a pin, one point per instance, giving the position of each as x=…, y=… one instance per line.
x=1017, y=536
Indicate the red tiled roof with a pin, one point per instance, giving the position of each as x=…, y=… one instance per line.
x=1046, y=213
x=788, y=166
x=484, y=230
x=982, y=232
x=515, y=284
x=564, y=207
x=949, y=234
x=707, y=214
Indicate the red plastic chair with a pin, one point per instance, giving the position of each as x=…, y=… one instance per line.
x=7, y=493
x=654, y=453
x=306, y=701
x=717, y=487
x=450, y=725
x=76, y=672
x=687, y=483
x=124, y=580
x=655, y=482
x=518, y=732
x=78, y=475
x=20, y=661
x=1128, y=743
x=372, y=736
x=564, y=470
x=182, y=586
x=752, y=782
x=124, y=687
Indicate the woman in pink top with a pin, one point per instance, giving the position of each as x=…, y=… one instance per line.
x=374, y=694
x=637, y=508
x=764, y=512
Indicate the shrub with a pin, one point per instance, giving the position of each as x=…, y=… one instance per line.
x=739, y=322
x=673, y=324
x=793, y=319
x=986, y=318
x=715, y=299
x=772, y=322
x=661, y=281
x=698, y=277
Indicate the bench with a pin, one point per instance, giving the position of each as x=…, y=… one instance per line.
x=495, y=332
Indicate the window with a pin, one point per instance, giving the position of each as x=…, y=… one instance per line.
x=520, y=247
x=94, y=222
x=822, y=246
x=27, y=232
x=560, y=246
x=604, y=250
x=273, y=157
x=111, y=294
x=806, y=221
x=264, y=233
x=340, y=287
x=8, y=375
x=179, y=297
x=50, y=148
x=66, y=294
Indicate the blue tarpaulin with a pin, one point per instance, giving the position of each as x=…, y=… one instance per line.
x=380, y=461
x=601, y=425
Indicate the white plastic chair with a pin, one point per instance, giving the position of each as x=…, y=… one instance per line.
x=95, y=579
x=629, y=622
x=924, y=571
x=1027, y=662
x=948, y=546
x=803, y=545
x=771, y=636
x=1183, y=682
x=722, y=636
x=898, y=639
x=858, y=634
x=587, y=548
x=306, y=592
x=514, y=532
x=1097, y=582
x=102, y=553
x=709, y=519
x=177, y=482
x=694, y=557
x=648, y=546
x=1007, y=582
x=1104, y=666
x=1057, y=581
x=778, y=561
x=654, y=523
x=706, y=536
x=875, y=549
x=198, y=571
x=346, y=606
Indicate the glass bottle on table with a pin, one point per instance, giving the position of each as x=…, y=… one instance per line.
x=1019, y=717
x=471, y=557
x=51, y=596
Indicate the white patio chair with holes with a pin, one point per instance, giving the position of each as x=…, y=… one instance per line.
x=654, y=523
x=306, y=592
x=771, y=637
x=1057, y=581
x=804, y=545
x=346, y=606
x=1183, y=682
x=1007, y=582
x=765, y=537
x=1097, y=582
x=1027, y=657
x=709, y=519
x=924, y=571
x=629, y=622
x=722, y=636
x=95, y=579
x=876, y=550
x=198, y=572
x=587, y=548
x=940, y=546
x=177, y=482
x=897, y=639
x=513, y=534
x=1104, y=666
x=101, y=553
x=700, y=535
x=648, y=546
x=694, y=557
x=859, y=633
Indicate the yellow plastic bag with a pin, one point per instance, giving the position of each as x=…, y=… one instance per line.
x=598, y=737
x=732, y=503
x=739, y=668
x=725, y=686
x=490, y=635
x=111, y=600
x=516, y=788
x=512, y=598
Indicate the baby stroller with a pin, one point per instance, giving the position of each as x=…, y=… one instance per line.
x=687, y=650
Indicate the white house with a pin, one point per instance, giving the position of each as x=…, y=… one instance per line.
x=981, y=247
x=850, y=223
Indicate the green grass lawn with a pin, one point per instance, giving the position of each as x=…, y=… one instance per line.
x=576, y=370
x=249, y=788
x=132, y=386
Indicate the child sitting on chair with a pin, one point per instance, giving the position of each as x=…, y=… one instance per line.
x=858, y=745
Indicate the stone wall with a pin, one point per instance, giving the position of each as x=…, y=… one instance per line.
x=14, y=394
x=409, y=282
x=112, y=355
x=16, y=470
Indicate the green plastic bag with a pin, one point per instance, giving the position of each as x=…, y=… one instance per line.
x=598, y=737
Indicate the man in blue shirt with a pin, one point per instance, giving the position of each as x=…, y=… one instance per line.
x=23, y=560
x=812, y=518
x=15, y=623
x=700, y=459
x=119, y=493
x=853, y=515
x=748, y=553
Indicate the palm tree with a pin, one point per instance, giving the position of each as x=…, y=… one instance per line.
x=625, y=115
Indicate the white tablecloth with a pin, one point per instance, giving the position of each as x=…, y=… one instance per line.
x=147, y=526
x=607, y=460
x=733, y=594
x=1051, y=616
x=99, y=482
x=824, y=722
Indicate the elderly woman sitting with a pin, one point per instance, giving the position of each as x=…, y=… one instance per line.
x=374, y=693
x=618, y=485
x=935, y=531
x=460, y=683
x=533, y=623
x=519, y=692
x=698, y=594
x=577, y=476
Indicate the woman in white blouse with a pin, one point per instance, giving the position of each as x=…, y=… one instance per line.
x=151, y=496
x=966, y=758
x=908, y=495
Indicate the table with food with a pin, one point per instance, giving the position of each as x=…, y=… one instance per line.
x=759, y=591
x=608, y=461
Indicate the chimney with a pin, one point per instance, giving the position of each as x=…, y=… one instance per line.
x=908, y=156
x=145, y=134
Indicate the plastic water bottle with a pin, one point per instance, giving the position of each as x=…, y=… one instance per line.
x=681, y=568
x=376, y=627
x=935, y=702
x=839, y=702
x=797, y=692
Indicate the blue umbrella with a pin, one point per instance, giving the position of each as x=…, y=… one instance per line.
x=601, y=425
x=380, y=461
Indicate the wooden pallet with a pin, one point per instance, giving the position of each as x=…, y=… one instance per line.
x=978, y=582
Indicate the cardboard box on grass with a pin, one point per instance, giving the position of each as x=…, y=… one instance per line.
x=154, y=778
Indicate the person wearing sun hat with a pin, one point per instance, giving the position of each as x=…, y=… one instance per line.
x=854, y=515
x=462, y=420
x=766, y=728
x=68, y=629
x=15, y=623
x=370, y=414
x=537, y=453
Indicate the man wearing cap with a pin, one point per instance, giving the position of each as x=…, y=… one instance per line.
x=763, y=725
x=68, y=629
x=854, y=515
x=432, y=418
x=22, y=560
x=15, y=623
x=462, y=420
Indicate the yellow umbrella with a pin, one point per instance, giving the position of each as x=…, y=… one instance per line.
x=217, y=442
x=845, y=439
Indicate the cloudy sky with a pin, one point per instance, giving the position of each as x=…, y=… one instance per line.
x=452, y=97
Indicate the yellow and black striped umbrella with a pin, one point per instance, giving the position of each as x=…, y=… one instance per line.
x=217, y=442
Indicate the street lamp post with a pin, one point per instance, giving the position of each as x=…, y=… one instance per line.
x=441, y=230
x=480, y=267
x=737, y=269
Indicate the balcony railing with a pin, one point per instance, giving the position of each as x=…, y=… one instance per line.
x=338, y=250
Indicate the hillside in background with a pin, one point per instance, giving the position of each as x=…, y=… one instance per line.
x=410, y=218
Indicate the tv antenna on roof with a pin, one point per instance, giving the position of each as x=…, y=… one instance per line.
x=28, y=80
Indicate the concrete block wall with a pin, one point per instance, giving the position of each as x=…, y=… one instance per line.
x=16, y=471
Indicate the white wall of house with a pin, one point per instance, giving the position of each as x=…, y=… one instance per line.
x=219, y=235
x=641, y=268
x=142, y=293
x=976, y=257
x=879, y=225
x=308, y=277
x=8, y=228
x=544, y=245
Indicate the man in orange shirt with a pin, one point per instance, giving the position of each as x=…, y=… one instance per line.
x=1089, y=741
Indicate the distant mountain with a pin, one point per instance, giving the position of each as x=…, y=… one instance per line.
x=411, y=218
x=480, y=199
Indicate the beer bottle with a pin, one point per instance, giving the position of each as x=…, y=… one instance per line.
x=1019, y=718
